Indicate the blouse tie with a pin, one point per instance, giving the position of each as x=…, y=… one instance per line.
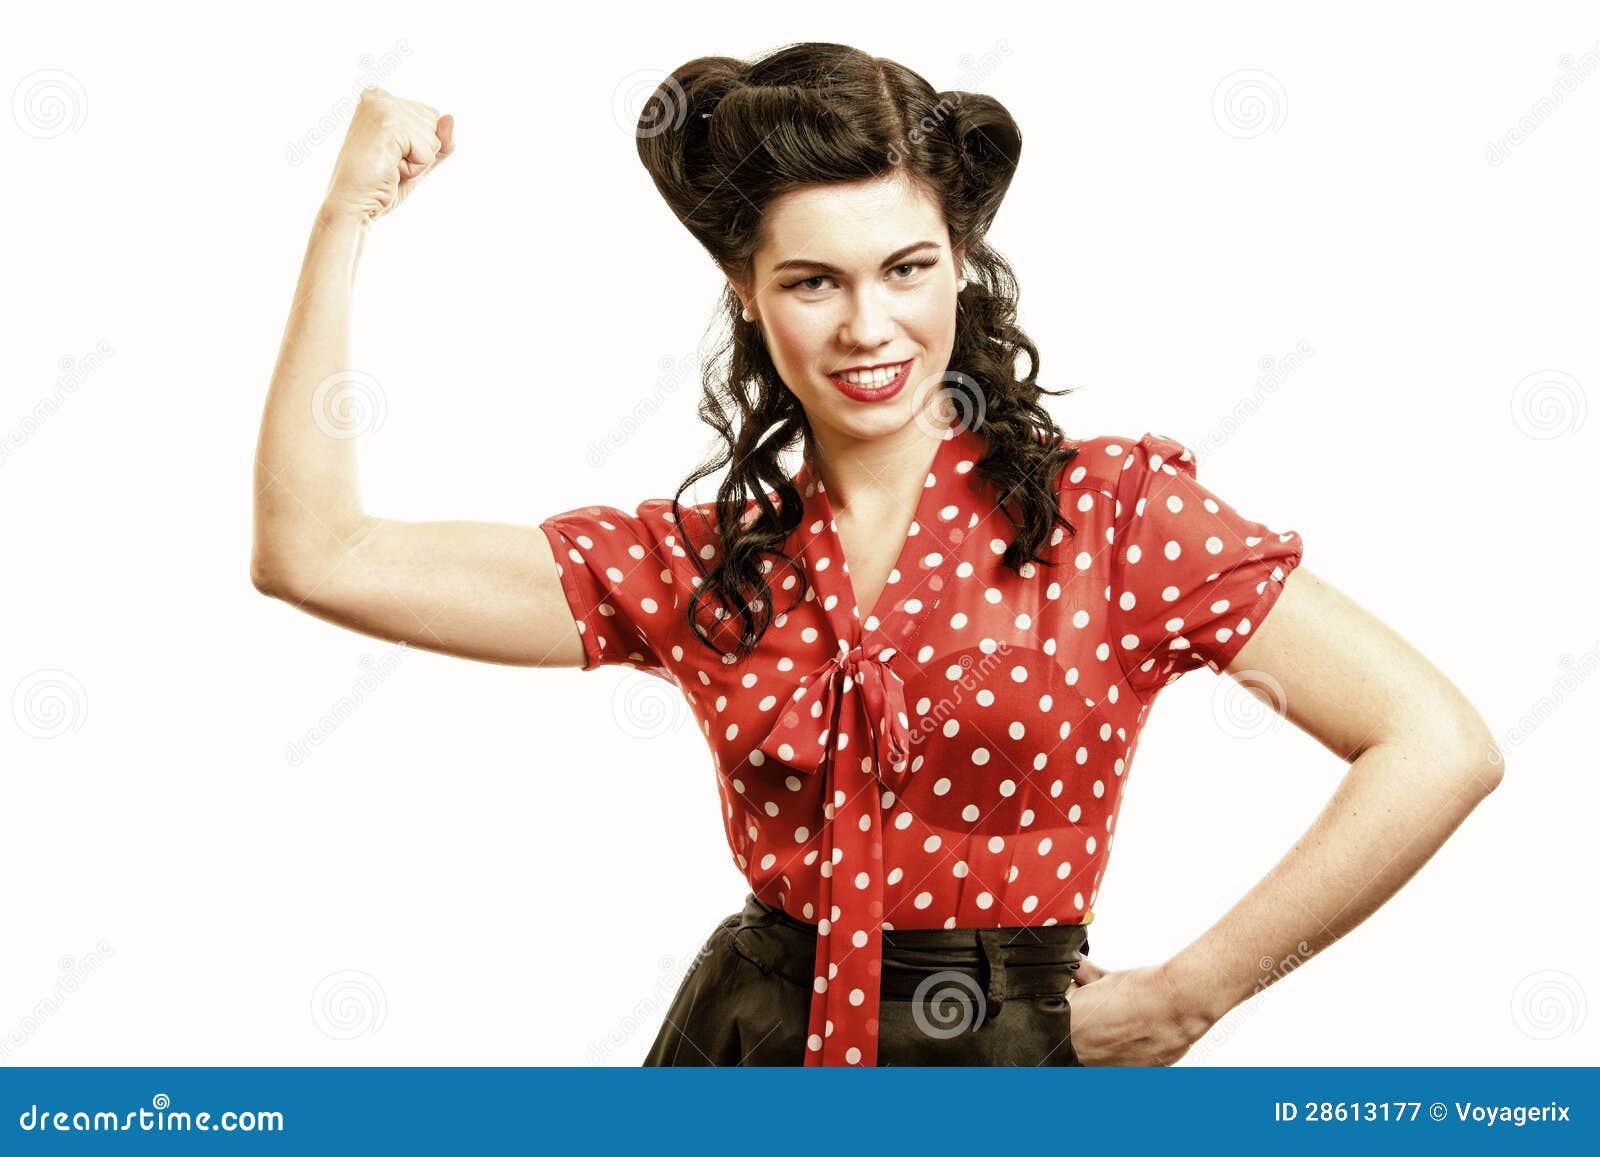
x=853, y=695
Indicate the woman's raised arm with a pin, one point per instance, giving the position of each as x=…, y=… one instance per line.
x=482, y=590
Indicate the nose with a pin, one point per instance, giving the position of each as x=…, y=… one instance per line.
x=870, y=324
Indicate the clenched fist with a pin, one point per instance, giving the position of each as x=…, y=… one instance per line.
x=390, y=145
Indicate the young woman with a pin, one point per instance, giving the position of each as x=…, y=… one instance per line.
x=923, y=660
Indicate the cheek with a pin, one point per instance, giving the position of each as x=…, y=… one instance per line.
x=931, y=320
x=798, y=341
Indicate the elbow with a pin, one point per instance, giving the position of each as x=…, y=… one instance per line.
x=1455, y=730
x=285, y=555
x=1454, y=740
x=268, y=577
x=1480, y=758
x=1496, y=769
x=268, y=550
x=264, y=580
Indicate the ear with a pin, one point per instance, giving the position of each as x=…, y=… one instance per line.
x=746, y=299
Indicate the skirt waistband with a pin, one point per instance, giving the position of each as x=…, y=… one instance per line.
x=1001, y=962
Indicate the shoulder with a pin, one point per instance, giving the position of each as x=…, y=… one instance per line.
x=1108, y=463
x=691, y=526
x=650, y=526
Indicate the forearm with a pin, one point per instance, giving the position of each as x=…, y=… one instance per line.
x=307, y=496
x=1395, y=807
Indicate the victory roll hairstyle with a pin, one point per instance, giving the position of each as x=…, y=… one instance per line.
x=722, y=139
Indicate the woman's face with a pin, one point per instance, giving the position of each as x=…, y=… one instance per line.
x=857, y=275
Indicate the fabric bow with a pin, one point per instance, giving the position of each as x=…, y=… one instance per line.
x=800, y=735
x=849, y=943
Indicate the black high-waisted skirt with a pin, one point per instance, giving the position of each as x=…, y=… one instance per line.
x=747, y=998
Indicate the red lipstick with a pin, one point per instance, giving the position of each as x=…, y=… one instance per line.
x=873, y=393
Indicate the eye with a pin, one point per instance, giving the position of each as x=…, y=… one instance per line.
x=916, y=265
x=805, y=283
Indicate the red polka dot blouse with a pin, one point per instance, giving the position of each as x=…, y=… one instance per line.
x=956, y=757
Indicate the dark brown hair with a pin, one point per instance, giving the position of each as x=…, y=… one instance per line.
x=722, y=139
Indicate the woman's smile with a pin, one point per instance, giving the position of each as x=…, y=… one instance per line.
x=877, y=385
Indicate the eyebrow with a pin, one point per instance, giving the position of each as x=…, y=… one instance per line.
x=893, y=258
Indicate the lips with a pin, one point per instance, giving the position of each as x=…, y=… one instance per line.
x=881, y=393
x=877, y=366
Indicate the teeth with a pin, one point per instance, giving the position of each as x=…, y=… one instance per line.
x=879, y=377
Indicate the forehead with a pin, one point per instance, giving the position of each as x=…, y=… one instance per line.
x=849, y=225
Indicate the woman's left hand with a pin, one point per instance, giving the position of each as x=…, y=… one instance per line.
x=1129, y=1017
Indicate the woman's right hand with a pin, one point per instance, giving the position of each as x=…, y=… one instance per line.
x=390, y=145
x=1129, y=1017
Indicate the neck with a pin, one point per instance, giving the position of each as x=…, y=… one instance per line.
x=871, y=476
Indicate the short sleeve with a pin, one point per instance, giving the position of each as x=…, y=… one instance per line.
x=616, y=570
x=1190, y=576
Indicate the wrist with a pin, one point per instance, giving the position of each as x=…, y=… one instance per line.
x=335, y=213
x=1196, y=999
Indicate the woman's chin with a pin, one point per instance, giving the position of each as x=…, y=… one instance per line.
x=868, y=422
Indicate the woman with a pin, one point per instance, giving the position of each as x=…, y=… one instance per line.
x=922, y=661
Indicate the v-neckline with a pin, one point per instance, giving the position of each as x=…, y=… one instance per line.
x=836, y=587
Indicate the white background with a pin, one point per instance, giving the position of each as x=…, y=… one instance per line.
x=477, y=865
